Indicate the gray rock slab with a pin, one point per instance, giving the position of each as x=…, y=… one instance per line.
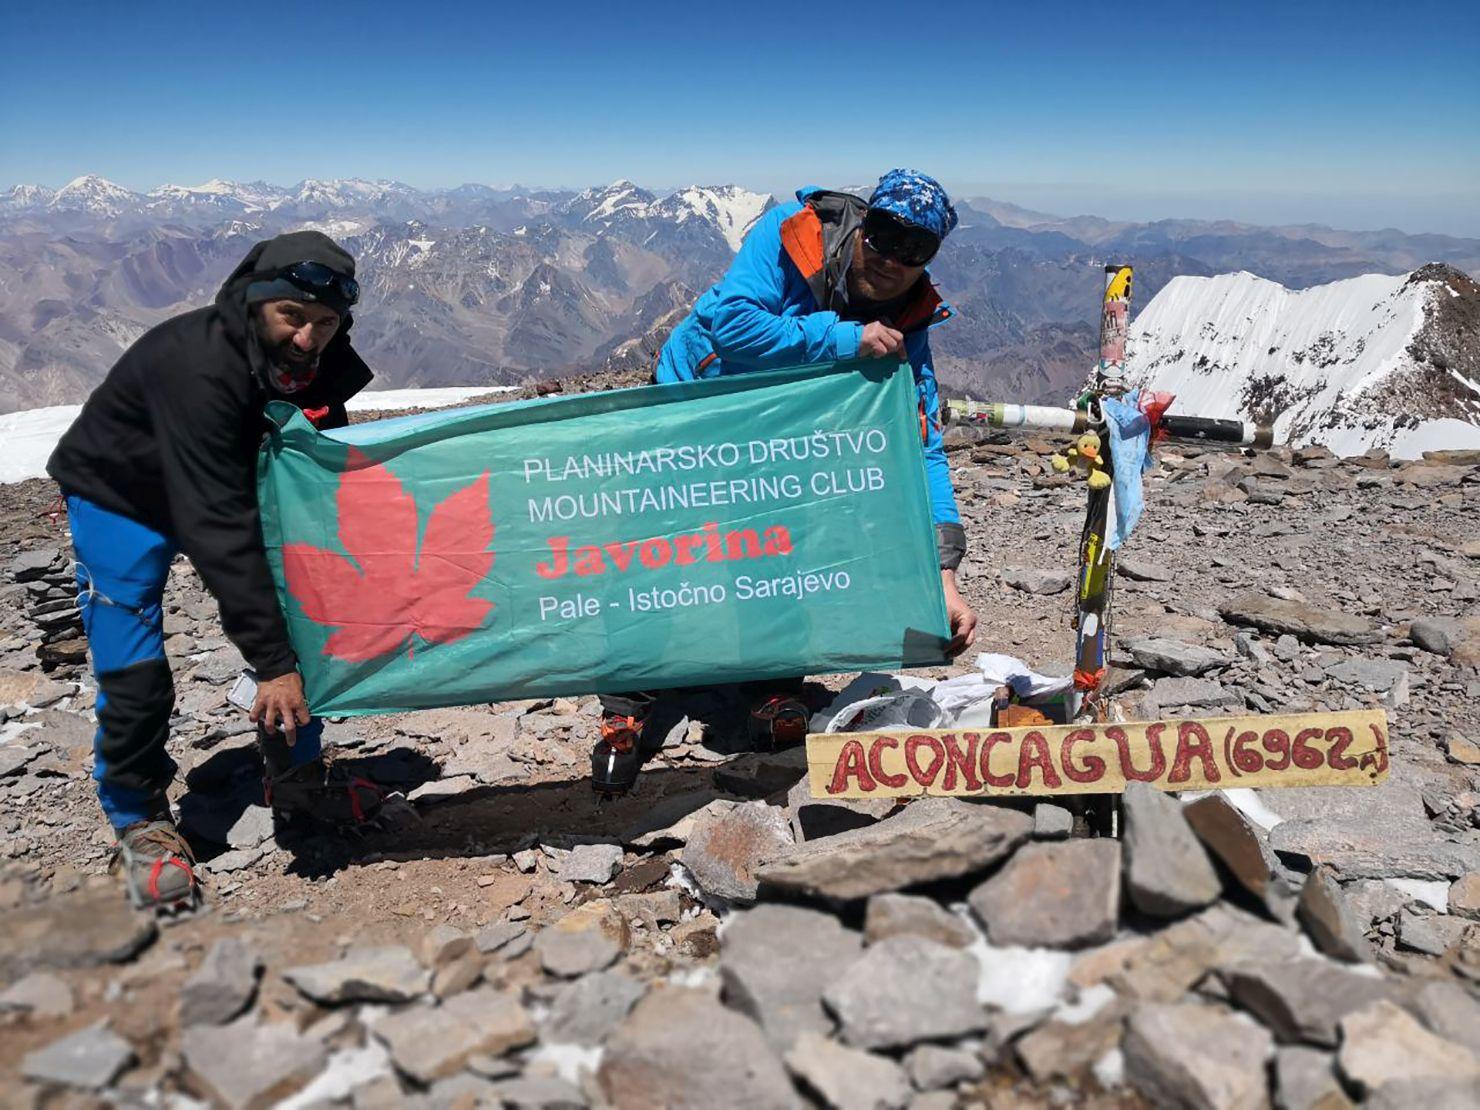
x=848, y=1078
x=1329, y=920
x=88, y=1059
x=905, y=990
x=428, y=1043
x=1382, y=1045
x=815, y=818
x=931, y=839
x=724, y=851
x=222, y=986
x=385, y=974
x=1195, y=1056
x=491, y=938
x=1438, y=635
x=1306, y=622
x=909, y=915
x=1175, y=657
x=583, y=1012
x=932, y=1066
x=1305, y=1079
x=1195, y=692
x=1051, y=822
x=39, y=993
x=577, y=946
x=1381, y=676
x=1167, y=870
x=247, y=1066
x=1448, y=1010
x=775, y=962
x=682, y=1048
x=85, y=930
x=1302, y=1000
x=1037, y=580
x=1056, y=895
x=1240, y=845
x=1433, y=934
x=591, y=863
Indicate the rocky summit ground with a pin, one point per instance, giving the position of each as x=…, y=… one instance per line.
x=721, y=940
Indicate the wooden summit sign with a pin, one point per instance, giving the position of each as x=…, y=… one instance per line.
x=1307, y=749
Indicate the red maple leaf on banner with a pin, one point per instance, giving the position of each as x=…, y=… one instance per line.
x=390, y=592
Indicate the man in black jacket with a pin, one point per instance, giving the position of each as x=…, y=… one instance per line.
x=161, y=460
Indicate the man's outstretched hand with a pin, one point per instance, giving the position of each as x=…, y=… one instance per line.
x=962, y=616
x=280, y=704
x=879, y=341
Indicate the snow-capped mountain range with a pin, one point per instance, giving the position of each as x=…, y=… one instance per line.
x=493, y=284
x=1372, y=362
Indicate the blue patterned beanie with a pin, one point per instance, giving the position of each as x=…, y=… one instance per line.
x=915, y=197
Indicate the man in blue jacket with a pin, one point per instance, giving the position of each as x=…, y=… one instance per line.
x=828, y=278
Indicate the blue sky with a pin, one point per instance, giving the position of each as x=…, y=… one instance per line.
x=1354, y=114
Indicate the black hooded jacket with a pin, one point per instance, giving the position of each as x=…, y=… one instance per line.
x=170, y=439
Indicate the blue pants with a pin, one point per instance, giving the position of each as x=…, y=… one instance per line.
x=122, y=567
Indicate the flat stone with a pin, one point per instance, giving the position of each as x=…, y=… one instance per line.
x=585, y=1011
x=84, y=930
x=222, y=986
x=1236, y=842
x=32, y=688
x=1302, y=1000
x=443, y=945
x=1433, y=934
x=1195, y=692
x=1329, y=921
x=1448, y=1010
x=459, y=974
x=909, y=915
x=427, y=1044
x=589, y=938
x=1461, y=749
x=1036, y=580
x=247, y=1066
x=1196, y=1056
x=1063, y=1050
x=932, y=1066
x=591, y=863
x=1140, y=570
x=40, y=993
x=1438, y=635
x=1054, y=895
x=1051, y=822
x=1305, y=1079
x=724, y=851
x=88, y=1059
x=815, y=818
x=389, y=974
x=1382, y=1044
x=1167, y=871
x=681, y=1048
x=931, y=839
x=1174, y=657
x=905, y=990
x=493, y=937
x=1306, y=622
x=537, y=1092
x=37, y=563
x=775, y=962
x=848, y=1078
x=1165, y=965
x=1382, y=676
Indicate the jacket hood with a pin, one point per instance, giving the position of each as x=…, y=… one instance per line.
x=272, y=255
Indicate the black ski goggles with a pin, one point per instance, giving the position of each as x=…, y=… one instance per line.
x=315, y=277
x=889, y=236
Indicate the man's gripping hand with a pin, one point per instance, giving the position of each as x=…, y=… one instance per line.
x=962, y=617
x=280, y=704
x=879, y=341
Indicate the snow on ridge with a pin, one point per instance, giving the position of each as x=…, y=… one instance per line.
x=28, y=437
x=730, y=208
x=1241, y=346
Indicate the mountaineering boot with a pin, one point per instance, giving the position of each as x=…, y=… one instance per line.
x=779, y=721
x=322, y=792
x=618, y=755
x=156, y=864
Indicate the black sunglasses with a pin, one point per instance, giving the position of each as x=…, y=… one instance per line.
x=888, y=235
x=315, y=277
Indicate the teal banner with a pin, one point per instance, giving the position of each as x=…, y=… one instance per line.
x=737, y=528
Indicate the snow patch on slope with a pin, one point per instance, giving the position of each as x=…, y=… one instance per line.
x=1240, y=346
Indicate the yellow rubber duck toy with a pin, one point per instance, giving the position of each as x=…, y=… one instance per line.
x=1085, y=454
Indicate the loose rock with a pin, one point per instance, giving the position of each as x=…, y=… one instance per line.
x=1167, y=871
x=905, y=990
x=1382, y=1045
x=848, y=1078
x=88, y=1059
x=1196, y=1056
x=250, y=1066
x=389, y=974
x=724, y=852
x=898, y=915
x=428, y=1044
x=1055, y=895
x=222, y=986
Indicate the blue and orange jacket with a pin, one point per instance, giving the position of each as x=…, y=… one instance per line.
x=771, y=311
